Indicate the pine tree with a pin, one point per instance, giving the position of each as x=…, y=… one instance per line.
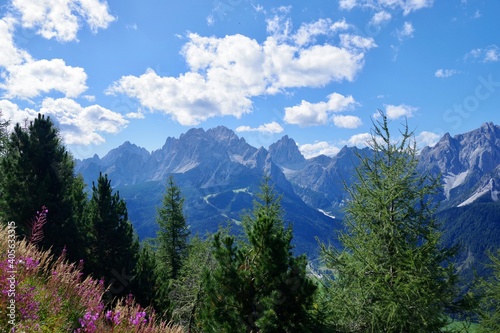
x=173, y=232
x=145, y=281
x=258, y=286
x=114, y=249
x=392, y=275
x=38, y=171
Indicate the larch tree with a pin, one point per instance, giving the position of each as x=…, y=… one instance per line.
x=392, y=274
x=258, y=285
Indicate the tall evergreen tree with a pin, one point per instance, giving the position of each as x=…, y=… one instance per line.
x=187, y=293
x=145, y=281
x=392, y=275
x=38, y=171
x=173, y=231
x=490, y=300
x=114, y=249
x=258, y=286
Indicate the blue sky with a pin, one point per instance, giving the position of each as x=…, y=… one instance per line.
x=141, y=71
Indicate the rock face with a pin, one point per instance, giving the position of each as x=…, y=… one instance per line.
x=219, y=173
x=469, y=164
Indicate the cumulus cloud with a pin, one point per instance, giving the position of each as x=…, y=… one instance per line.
x=61, y=19
x=272, y=127
x=15, y=114
x=82, y=125
x=32, y=78
x=426, y=138
x=226, y=73
x=347, y=121
x=360, y=140
x=10, y=55
x=77, y=124
x=444, y=73
x=398, y=111
x=310, y=150
x=309, y=114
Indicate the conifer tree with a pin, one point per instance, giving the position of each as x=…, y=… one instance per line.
x=187, y=293
x=258, y=286
x=490, y=297
x=114, y=249
x=145, y=281
x=38, y=171
x=173, y=231
x=392, y=275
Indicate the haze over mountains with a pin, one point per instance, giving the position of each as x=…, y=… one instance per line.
x=219, y=174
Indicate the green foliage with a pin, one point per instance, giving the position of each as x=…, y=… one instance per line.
x=258, y=286
x=173, y=232
x=114, y=249
x=490, y=300
x=145, y=281
x=187, y=293
x=392, y=275
x=38, y=171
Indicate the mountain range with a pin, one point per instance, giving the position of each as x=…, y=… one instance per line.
x=219, y=174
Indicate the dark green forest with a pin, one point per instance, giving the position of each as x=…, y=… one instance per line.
x=395, y=271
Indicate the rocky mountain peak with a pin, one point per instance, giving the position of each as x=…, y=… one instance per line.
x=286, y=154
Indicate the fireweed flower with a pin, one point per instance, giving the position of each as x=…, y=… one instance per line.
x=140, y=317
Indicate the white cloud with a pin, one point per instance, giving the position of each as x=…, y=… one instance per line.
x=16, y=115
x=349, y=41
x=310, y=150
x=135, y=115
x=444, y=73
x=308, y=31
x=347, y=121
x=226, y=73
x=490, y=53
x=426, y=138
x=380, y=18
x=60, y=19
x=406, y=31
x=272, y=127
x=82, y=125
x=360, y=140
x=35, y=77
x=407, y=6
x=10, y=54
x=309, y=114
x=398, y=111
x=77, y=124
